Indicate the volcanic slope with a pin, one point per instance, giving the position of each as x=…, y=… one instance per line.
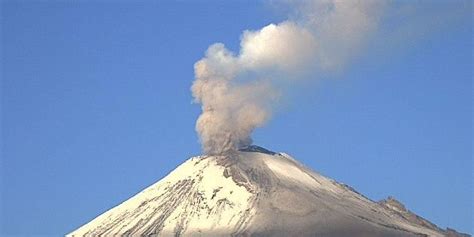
x=255, y=192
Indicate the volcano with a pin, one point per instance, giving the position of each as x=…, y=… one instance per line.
x=255, y=192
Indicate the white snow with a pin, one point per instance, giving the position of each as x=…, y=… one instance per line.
x=284, y=169
x=212, y=213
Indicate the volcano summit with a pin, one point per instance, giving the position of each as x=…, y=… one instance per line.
x=255, y=192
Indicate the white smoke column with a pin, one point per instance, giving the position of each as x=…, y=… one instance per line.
x=236, y=99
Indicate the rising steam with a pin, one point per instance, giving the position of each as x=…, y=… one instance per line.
x=237, y=91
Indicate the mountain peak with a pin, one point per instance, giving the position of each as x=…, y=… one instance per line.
x=255, y=148
x=252, y=192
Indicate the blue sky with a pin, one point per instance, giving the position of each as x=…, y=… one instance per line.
x=96, y=106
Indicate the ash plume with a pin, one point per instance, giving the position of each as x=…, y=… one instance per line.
x=237, y=92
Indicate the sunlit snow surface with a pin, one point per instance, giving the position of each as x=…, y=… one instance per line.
x=251, y=193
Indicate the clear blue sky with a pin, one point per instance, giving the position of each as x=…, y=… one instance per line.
x=96, y=106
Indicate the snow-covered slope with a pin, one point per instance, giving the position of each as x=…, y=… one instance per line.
x=254, y=192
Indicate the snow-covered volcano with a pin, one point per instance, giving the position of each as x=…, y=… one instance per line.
x=255, y=192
